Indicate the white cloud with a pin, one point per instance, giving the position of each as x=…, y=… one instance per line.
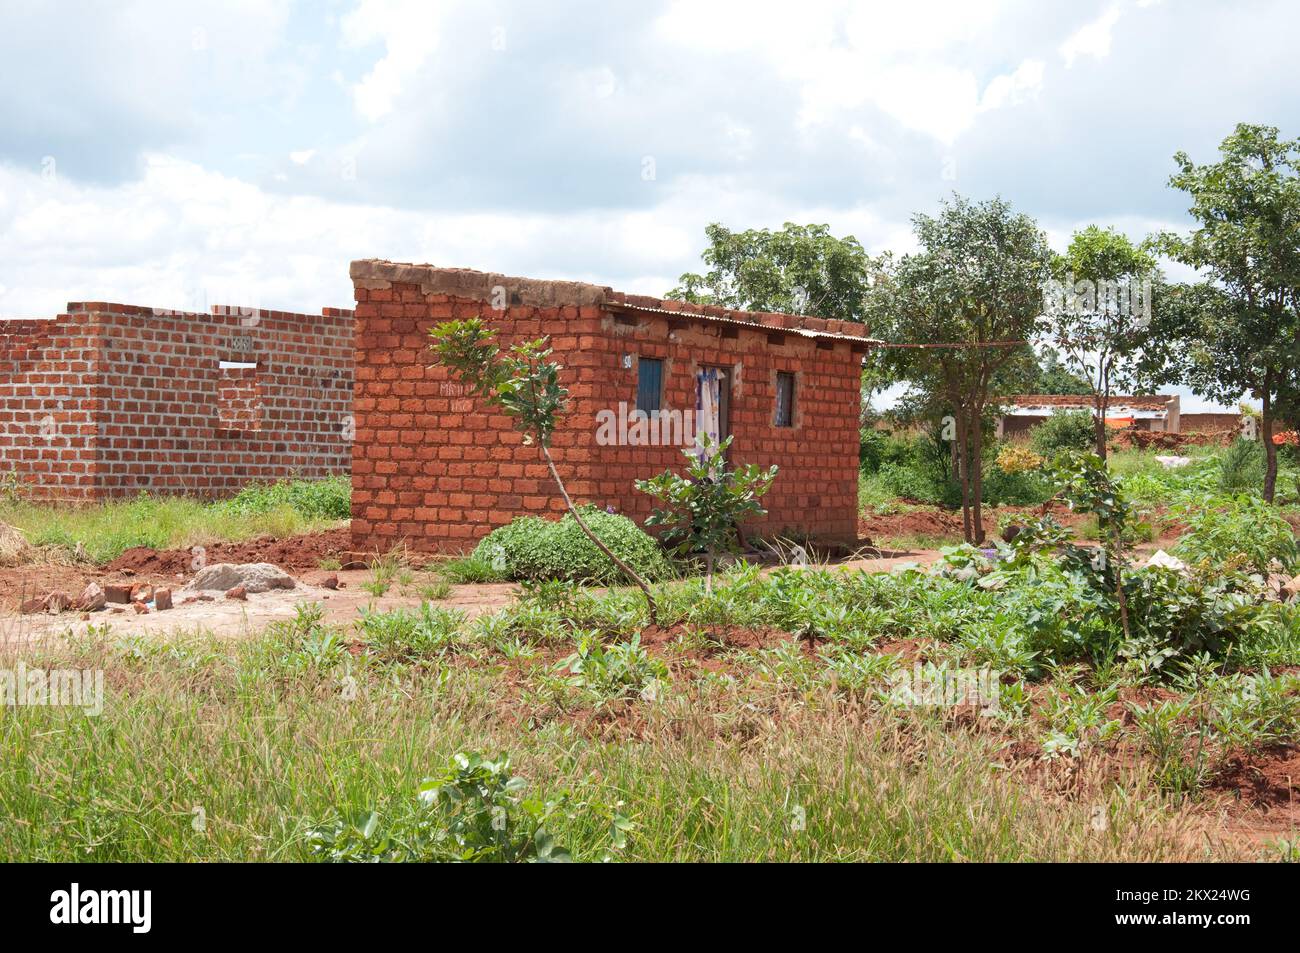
x=301, y=157
x=918, y=62
x=1014, y=88
x=1091, y=40
x=410, y=31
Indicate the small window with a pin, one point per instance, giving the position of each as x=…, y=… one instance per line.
x=784, y=399
x=649, y=384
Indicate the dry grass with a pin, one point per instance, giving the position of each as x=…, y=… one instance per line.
x=14, y=548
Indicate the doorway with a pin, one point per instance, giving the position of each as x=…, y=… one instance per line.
x=713, y=402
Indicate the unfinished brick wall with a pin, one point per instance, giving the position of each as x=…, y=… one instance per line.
x=437, y=470
x=49, y=404
x=108, y=399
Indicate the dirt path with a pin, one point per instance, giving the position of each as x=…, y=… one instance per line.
x=231, y=618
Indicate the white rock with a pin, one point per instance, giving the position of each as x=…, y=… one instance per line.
x=1162, y=560
x=253, y=577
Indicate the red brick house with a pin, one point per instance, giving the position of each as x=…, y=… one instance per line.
x=107, y=400
x=436, y=469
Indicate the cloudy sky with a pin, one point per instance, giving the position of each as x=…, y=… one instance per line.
x=189, y=154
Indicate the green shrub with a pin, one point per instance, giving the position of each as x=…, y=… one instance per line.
x=1064, y=430
x=911, y=481
x=876, y=448
x=531, y=547
x=1241, y=468
x=1242, y=531
x=330, y=498
x=1026, y=488
x=474, y=812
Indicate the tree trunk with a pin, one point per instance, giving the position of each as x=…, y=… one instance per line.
x=1270, y=448
x=1100, y=406
x=627, y=570
x=977, y=476
x=963, y=470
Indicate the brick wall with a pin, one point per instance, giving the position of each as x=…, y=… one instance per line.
x=110, y=399
x=49, y=402
x=437, y=470
x=1210, y=422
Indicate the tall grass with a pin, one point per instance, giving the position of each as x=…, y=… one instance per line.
x=105, y=530
x=208, y=751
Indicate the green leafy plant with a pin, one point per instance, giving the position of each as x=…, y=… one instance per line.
x=703, y=509
x=405, y=634
x=1086, y=484
x=535, y=548
x=1063, y=430
x=1241, y=531
x=1241, y=468
x=474, y=812
x=615, y=671
x=1175, y=734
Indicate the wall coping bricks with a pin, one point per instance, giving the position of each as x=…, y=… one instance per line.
x=376, y=274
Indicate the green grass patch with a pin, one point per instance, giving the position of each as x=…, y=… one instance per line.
x=105, y=530
x=240, y=751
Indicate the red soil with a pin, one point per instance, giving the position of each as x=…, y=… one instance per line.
x=294, y=552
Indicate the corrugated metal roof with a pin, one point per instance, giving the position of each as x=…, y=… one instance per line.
x=756, y=325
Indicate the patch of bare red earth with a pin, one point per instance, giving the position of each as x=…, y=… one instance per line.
x=290, y=552
x=170, y=567
x=935, y=521
x=1262, y=791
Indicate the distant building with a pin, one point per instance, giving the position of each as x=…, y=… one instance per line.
x=1159, y=412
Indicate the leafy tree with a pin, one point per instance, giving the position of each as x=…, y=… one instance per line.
x=703, y=509
x=1055, y=378
x=524, y=383
x=1239, y=327
x=976, y=284
x=1099, y=315
x=801, y=269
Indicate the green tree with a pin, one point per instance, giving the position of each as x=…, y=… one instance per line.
x=1099, y=308
x=1238, y=329
x=704, y=508
x=525, y=383
x=801, y=269
x=1055, y=378
x=975, y=285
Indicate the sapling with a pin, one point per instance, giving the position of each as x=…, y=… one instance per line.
x=525, y=383
x=704, y=508
x=1084, y=482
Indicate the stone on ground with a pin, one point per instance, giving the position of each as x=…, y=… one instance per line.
x=92, y=598
x=251, y=577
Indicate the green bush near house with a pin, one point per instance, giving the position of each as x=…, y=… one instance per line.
x=532, y=547
x=1064, y=430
